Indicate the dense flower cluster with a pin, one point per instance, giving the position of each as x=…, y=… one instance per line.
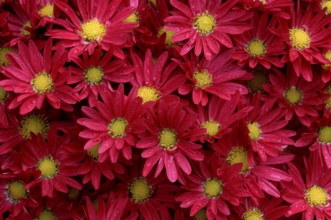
x=165, y=109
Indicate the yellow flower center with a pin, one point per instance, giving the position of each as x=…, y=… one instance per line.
x=238, y=155
x=328, y=101
x=94, y=151
x=201, y=215
x=73, y=193
x=42, y=83
x=168, y=139
x=205, y=23
x=94, y=75
x=300, y=39
x=292, y=95
x=117, y=127
x=256, y=48
x=253, y=214
x=16, y=191
x=48, y=167
x=324, y=135
x=212, y=127
x=316, y=196
x=169, y=35
x=3, y=52
x=212, y=188
x=133, y=18
x=26, y=32
x=140, y=190
x=35, y=124
x=254, y=131
x=47, y=215
x=47, y=10
x=202, y=79
x=148, y=93
x=256, y=84
x=93, y=30
x=153, y=2
x=326, y=4
x=3, y=95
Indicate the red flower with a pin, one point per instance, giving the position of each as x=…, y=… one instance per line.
x=206, y=25
x=276, y=7
x=217, y=77
x=169, y=140
x=37, y=79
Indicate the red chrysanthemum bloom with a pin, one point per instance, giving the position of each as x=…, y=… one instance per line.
x=326, y=68
x=113, y=124
x=54, y=168
x=45, y=11
x=307, y=38
x=169, y=140
x=94, y=74
x=34, y=76
x=259, y=45
x=219, y=77
x=276, y=7
x=212, y=187
x=266, y=129
x=89, y=25
x=310, y=195
x=206, y=25
x=153, y=81
x=294, y=95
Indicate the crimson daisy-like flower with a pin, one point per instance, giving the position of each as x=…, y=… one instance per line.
x=310, y=195
x=259, y=45
x=295, y=95
x=101, y=23
x=169, y=140
x=153, y=81
x=34, y=76
x=206, y=25
x=54, y=169
x=219, y=77
x=93, y=74
x=276, y=7
x=112, y=124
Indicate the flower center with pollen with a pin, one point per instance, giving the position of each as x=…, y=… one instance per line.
x=212, y=128
x=253, y=214
x=326, y=4
x=254, y=131
x=3, y=52
x=93, y=30
x=256, y=48
x=316, y=196
x=94, y=151
x=34, y=124
x=16, y=191
x=238, y=155
x=256, y=84
x=26, y=26
x=205, y=23
x=212, y=188
x=93, y=75
x=293, y=95
x=42, y=83
x=140, y=190
x=48, y=167
x=168, y=139
x=299, y=38
x=169, y=34
x=148, y=93
x=117, y=127
x=202, y=79
x=324, y=135
x=201, y=215
x=47, y=215
x=133, y=18
x=3, y=95
x=47, y=10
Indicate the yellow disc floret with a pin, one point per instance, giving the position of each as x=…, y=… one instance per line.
x=94, y=75
x=212, y=127
x=133, y=18
x=3, y=95
x=202, y=79
x=16, y=191
x=169, y=34
x=117, y=127
x=201, y=215
x=327, y=5
x=47, y=215
x=139, y=190
x=254, y=131
x=148, y=93
x=205, y=23
x=34, y=124
x=238, y=155
x=93, y=30
x=212, y=188
x=26, y=26
x=256, y=47
x=253, y=214
x=94, y=151
x=47, y=10
x=168, y=139
x=324, y=135
x=316, y=196
x=299, y=38
x=42, y=83
x=256, y=84
x=3, y=52
x=292, y=95
x=48, y=167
